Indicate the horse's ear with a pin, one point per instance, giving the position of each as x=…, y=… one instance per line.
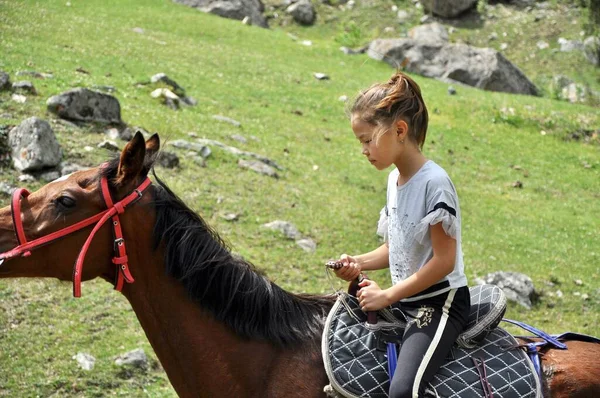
x=132, y=161
x=152, y=148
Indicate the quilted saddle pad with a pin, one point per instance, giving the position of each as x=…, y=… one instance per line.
x=355, y=358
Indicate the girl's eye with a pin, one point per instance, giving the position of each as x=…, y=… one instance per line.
x=65, y=202
x=368, y=141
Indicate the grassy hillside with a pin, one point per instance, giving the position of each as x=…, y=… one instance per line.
x=264, y=79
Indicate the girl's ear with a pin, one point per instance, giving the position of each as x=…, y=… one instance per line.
x=401, y=129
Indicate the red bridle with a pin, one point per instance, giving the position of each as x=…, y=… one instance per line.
x=120, y=259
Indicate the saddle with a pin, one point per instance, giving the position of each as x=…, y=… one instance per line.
x=486, y=361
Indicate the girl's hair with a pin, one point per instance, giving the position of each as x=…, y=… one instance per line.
x=383, y=104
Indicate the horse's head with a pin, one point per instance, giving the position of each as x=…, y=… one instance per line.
x=42, y=234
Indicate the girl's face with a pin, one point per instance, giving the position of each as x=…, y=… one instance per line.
x=381, y=152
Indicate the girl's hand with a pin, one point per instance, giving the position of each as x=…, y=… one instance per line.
x=371, y=297
x=350, y=270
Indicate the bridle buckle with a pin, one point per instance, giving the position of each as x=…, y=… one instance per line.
x=118, y=242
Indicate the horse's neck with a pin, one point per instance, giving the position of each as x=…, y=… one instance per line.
x=200, y=355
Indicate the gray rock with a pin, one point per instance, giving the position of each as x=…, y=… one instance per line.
x=85, y=361
x=239, y=152
x=109, y=145
x=569, y=45
x=433, y=33
x=239, y=138
x=5, y=84
x=303, y=12
x=168, y=160
x=34, y=145
x=234, y=9
x=307, y=244
x=448, y=8
x=81, y=104
x=49, y=176
x=69, y=168
x=163, y=78
x=403, y=16
x=24, y=86
x=106, y=89
x=351, y=51
x=541, y=44
x=591, y=49
x=287, y=228
x=6, y=189
x=127, y=133
x=26, y=178
x=574, y=93
x=321, y=76
x=451, y=90
x=227, y=120
x=203, y=150
x=37, y=75
x=230, y=216
x=259, y=167
x=168, y=97
x=483, y=68
x=516, y=286
x=136, y=358
x=18, y=98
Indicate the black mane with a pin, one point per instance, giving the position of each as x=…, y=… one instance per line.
x=232, y=289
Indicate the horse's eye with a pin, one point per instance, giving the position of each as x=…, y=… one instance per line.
x=66, y=202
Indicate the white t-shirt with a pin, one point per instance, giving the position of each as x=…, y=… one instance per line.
x=426, y=199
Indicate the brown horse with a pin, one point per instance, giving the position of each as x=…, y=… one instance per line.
x=218, y=326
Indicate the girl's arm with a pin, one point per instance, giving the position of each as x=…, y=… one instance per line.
x=376, y=259
x=440, y=265
x=353, y=265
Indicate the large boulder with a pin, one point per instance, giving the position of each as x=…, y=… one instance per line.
x=516, y=286
x=483, y=68
x=303, y=12
x=34, y=146
x=432, y=33
x=448, y=8
x=234, y=9
x=81, y=104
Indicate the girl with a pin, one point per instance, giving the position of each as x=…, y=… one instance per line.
x=421, y=228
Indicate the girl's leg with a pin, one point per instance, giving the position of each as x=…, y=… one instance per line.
x=437, y=322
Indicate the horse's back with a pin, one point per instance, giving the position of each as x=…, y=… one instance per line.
x=574, y=372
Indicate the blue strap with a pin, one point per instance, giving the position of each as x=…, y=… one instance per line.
x=532, y=352
x=543, y=335
x=392, y=358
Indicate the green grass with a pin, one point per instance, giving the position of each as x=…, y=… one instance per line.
x=548, y=229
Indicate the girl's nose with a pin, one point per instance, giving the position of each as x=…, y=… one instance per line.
x=365, y=150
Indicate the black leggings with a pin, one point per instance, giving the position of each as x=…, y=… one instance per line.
x=434, y=325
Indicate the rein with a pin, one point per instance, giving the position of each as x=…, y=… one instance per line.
x=113, y=210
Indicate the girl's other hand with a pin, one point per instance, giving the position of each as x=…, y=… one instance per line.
x=351, y=269
x=371, y=297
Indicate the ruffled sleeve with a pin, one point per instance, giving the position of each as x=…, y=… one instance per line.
x=382, y=224
x=449, y=222
x=442, y=207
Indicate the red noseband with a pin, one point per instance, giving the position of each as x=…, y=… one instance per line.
x=120, y=259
